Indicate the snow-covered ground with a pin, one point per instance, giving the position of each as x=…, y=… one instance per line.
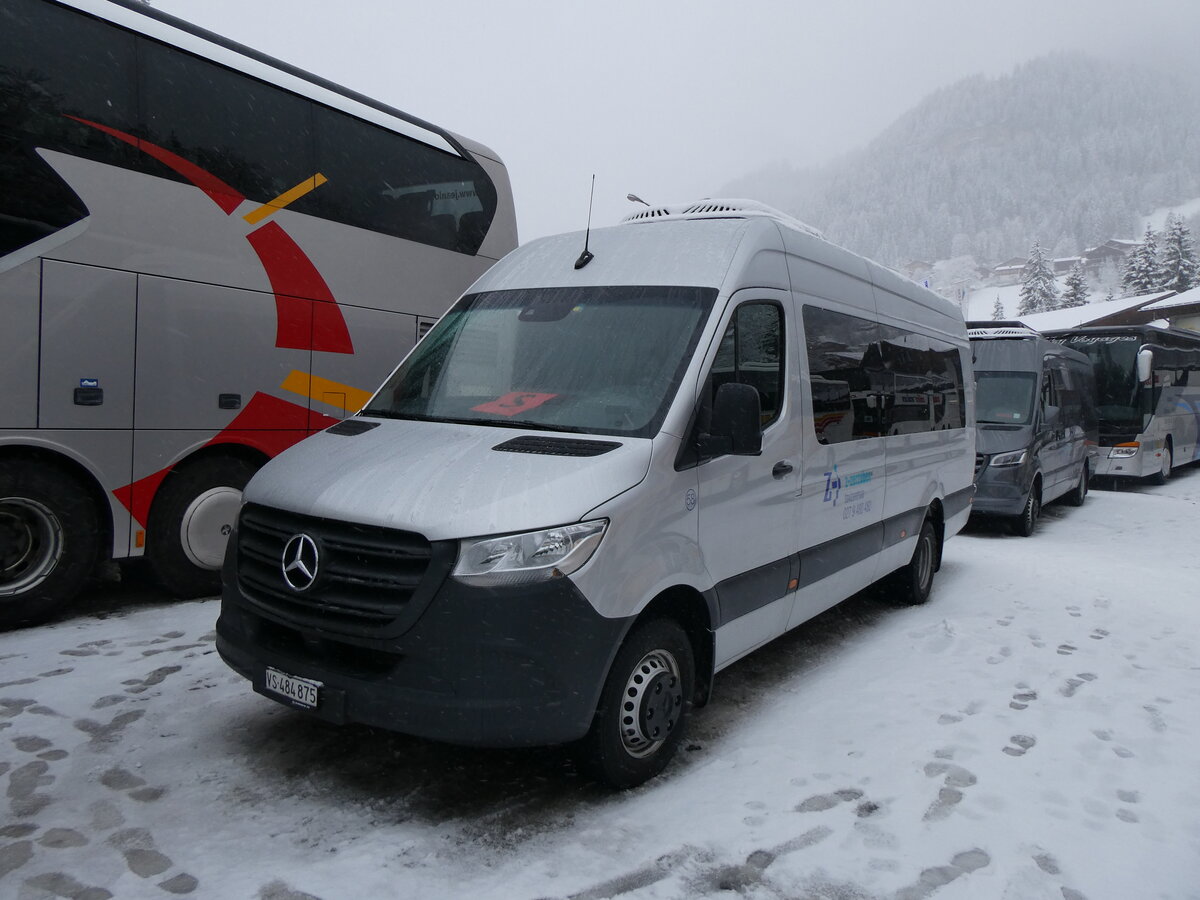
x=1030, y=733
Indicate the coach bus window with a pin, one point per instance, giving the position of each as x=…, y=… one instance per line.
x=389, y=183
x=254, y=137
x=55, y=63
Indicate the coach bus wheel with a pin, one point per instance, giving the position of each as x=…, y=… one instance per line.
x=190, y=522
x=912, y=584
x=49, y=541
x=643, y=708
x=1079, y=494
x=1026, y=523
x=1163, y=475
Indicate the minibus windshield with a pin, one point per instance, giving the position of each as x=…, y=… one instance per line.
x=597, y=360
x=1004, y=398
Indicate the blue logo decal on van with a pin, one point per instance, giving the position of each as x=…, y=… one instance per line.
x=833, y=486
x=690, y=500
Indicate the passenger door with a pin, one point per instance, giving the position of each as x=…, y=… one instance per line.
x=1055, y=449
x=747, y=504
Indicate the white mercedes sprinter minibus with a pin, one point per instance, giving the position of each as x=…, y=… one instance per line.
x=618, y=464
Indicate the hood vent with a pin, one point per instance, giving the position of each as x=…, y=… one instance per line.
x=351, y=427
x=546, y=446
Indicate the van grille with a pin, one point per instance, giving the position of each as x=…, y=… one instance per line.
x=366, y=581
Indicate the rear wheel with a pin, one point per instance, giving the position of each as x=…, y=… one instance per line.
x=1079, y=493
x=1025, y=524
x=190, y=523
x=913, y=583
x=1163, y=475
x=49, y=540
x=643, y=707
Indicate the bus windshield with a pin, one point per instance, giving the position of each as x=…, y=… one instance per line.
x=1005, y=398
x=599, y=360
x=1114, y=360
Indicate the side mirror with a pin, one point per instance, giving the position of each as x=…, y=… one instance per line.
x=1053, y=416
x=1145, y=365
x=735, y=428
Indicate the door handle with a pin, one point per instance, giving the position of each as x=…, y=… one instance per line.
x=781, y=468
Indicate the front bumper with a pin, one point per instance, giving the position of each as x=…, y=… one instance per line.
x=488, y=667
x=1002, y=491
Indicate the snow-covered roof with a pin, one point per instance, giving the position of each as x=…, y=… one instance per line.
x=1081, y=315
x=1187, y=298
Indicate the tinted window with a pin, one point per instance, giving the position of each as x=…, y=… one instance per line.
x=254, y=137
x=751, y=352
x=846, y=375
x=870, y=380
x=389, y=183
x=56, y=63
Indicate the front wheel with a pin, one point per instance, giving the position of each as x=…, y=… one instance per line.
x=190, y=523
x=1163, y=475
x=1079, y=493
x=1026, y=523
x=643, y=707
x=49, y=541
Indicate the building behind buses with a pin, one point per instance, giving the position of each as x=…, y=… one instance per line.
x=205, y=256
x=1036, y=424
x=620, y=463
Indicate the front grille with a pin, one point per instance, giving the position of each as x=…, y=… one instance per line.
x=367, y=577
x=980, y=462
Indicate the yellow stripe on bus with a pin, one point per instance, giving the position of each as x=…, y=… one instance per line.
x=267, y=209
x=323, y=390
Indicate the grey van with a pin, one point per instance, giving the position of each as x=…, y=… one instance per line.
x=1036, y=424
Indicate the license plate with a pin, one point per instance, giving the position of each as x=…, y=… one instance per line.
x=301, y=691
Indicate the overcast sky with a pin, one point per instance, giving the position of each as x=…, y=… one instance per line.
x=672, y=100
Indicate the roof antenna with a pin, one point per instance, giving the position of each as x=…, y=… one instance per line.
x=586, y=256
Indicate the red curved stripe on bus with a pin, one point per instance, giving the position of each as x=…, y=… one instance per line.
x=268, y=424
x=293, y=276
x=218, y=191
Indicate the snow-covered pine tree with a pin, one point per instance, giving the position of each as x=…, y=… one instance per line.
x=997, y=310
x=1076, y=291
x=1177, y=266
x=1039, y=293
x=1141, y=267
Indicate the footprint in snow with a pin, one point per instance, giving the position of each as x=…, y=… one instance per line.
x=1023, y=744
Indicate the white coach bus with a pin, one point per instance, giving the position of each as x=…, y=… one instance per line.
x=1147, y=397
x=600, y=479
x=205, y=256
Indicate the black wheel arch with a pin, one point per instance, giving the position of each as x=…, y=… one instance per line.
x=84, y=477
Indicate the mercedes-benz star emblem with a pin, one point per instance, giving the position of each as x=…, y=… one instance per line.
x=300, y=561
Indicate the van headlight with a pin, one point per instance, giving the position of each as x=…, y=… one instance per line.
x=528, y=557
x=1015, y=458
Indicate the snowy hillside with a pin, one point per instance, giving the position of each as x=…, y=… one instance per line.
x=1067, y=150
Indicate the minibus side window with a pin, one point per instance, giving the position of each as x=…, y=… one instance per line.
x=751, y=352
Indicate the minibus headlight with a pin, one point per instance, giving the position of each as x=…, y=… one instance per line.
x=1015, y=458
x=1124, y=451
x=528, y=557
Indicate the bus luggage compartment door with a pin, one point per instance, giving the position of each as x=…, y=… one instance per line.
x=88, y=316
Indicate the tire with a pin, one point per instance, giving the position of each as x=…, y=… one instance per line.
x=643, y=708
x=1163, y=475
x=911, y=584
x=49, y=540
x=1079, y=492
x=192, y=515
x=1025, y=524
